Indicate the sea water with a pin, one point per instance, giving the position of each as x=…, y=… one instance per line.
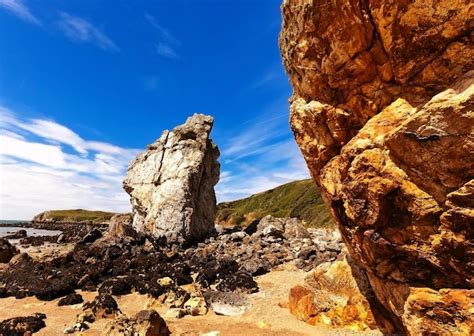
x=11, y=229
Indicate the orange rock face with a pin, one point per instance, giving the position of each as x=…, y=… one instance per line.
x=332, y=297
x=382, y=110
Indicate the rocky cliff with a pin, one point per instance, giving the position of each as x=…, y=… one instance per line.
x=382, y=110
x=171, y=184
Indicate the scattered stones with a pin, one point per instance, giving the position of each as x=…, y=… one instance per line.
x=20, y=326
x=78, y=327
x=7, y=251
x=71, y=299
x=222, y=267
x=145, y=322
x=289, y=228
x=238, y=236
x=117, y=266
x=17, y=235
x=38, y=240
x=171, y=184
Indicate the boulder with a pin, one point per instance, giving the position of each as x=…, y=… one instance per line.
x=24, y=325
x=382, y=110
x=195, y=306
x=145, y=322
x=17, y=235
x=71, y=299
x=120, y=226
x=332, y=296
x=287, y=228
x=91, y=237
x=171, y=184
x=227, y=303
x=7, y=251
x=103, y=306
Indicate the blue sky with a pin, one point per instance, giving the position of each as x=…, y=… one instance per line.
x=85, y=85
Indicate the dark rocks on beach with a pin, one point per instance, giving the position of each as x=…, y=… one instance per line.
x=238, y=281
x=224, y=264
x=20, y=326
x=91, y=236
x=71, y=299
x=116, y=287
x=38, y=240
x=17, y=235
x=7, y=251
x=103, y=306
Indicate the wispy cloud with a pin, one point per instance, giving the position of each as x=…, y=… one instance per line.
x=18, y=8
x=45, y=165
x=165, y=34
x=168, y=43
x=166, y=51
x=82, y=31
x=261, y=156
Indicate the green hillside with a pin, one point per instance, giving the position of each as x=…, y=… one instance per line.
x=300, y=199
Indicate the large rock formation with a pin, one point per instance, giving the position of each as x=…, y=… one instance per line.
x=171, y=184
x=382, y=110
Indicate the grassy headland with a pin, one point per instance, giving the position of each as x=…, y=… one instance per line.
x=300, y=199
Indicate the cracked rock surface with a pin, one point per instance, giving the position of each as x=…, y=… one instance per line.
x=382, y=110
x=171, y=184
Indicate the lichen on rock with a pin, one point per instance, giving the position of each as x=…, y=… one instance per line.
x=171, y=184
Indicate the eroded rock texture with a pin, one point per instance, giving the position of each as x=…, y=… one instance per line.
x=171, y=184
x=382, y=110
x=331, y=296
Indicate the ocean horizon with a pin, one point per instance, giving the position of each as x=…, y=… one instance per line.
x=13, y=221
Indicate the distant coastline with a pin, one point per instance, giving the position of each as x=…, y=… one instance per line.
x=13, y=222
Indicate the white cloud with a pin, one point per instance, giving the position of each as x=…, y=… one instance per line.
x=38, y=172
x=166, y=51
x=18, y=8
x=80, y=30
x=165, y=34
x=166, y=47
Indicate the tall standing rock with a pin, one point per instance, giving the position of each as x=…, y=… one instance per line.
x=382, y=110
x=171, y=184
